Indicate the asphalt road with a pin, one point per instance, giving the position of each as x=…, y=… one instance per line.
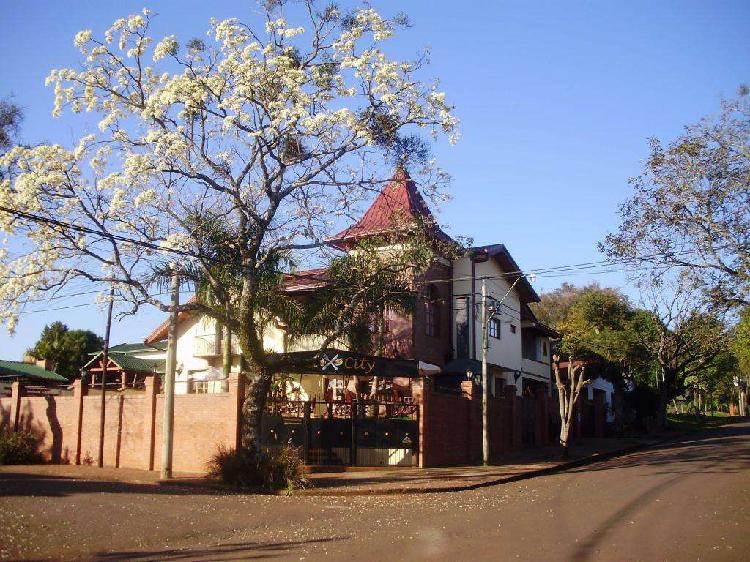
x=689, y=500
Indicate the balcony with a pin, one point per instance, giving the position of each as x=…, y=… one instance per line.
x=210, y=345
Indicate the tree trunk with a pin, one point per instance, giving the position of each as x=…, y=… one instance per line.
x=661, y=414
x=564, y=438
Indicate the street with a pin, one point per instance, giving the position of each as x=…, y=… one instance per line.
x=687, y=500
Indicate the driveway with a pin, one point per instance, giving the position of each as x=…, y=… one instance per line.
x=689, y=500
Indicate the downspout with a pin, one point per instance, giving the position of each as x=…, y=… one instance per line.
x=473, y=307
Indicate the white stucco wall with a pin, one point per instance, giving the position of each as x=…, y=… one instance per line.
x=602, y=384
x=506, y=351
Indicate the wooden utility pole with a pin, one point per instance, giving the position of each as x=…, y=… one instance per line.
x=168, y=426
x=485, y=380
x=105, y=360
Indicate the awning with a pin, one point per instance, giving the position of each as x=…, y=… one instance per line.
x=461, y=366
x=337, y=362
x=210, y=374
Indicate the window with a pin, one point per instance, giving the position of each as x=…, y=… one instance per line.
x=462, y=328
x=494, y=328
x=544, y=348
x=200, y=387
x=432, y=319
x=512, y=328
x=432, y=312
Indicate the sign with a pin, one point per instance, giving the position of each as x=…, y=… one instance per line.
x=337, y=362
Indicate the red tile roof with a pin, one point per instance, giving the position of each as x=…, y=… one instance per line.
x=398, y=206
x=308, y=280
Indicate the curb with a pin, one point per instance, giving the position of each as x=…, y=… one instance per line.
x=561, y=467
x=323, y=492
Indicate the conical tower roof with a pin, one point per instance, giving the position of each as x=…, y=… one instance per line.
x=398, y=207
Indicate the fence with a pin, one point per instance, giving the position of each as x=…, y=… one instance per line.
x=451, y=424
x=67, y=427
x=436, y=429
x=361, y=433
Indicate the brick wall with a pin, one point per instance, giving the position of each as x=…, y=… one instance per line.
x=451, y=424
x=67, y=427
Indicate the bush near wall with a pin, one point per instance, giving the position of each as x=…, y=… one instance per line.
x=274, y=468
x=18, y=448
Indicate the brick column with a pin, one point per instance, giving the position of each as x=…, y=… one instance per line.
x=420, y=393
x=80, y=389
x=473, y=421
x=15, y=406
x=236, y=384
x=149, y=419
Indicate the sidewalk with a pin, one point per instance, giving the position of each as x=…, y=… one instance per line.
x=376, y=481
x=511, y=467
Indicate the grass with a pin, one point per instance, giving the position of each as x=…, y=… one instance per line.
x=691, y=422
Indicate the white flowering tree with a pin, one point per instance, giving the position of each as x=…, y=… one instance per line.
x=233, y=156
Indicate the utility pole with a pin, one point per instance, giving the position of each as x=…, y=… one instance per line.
x=485, y=380
x=105, y=360
x=168, y=426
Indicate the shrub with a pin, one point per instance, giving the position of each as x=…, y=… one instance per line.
x=18, y=448
x=276, y=468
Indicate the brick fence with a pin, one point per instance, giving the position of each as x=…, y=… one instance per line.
x=450, y=425
x=67, y=427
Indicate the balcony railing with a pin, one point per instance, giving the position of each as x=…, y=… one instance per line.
x=210, y=345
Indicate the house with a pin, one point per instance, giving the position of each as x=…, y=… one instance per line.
x=35, y=374
x=445, y=330
x=128, y=364
x=418, y=402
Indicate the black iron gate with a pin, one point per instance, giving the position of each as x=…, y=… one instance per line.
x=353, y=433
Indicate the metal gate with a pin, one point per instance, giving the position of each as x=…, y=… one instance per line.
x=353, y=433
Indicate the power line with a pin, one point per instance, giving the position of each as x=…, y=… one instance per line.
x=87, y=230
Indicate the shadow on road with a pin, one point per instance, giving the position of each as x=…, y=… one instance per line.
x=24, y=484
x=587, y=548
x=232, y=551
x=699, y=453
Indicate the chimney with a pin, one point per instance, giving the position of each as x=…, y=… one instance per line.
x=45, y=364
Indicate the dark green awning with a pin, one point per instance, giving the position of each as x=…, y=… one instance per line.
x=333, y=362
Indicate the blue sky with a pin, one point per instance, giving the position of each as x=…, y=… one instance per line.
x=556, y=100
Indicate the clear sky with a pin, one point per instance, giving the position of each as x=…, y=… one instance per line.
x=556, y=99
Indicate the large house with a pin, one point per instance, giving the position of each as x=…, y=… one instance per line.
x=445, y=331
x=417, y=402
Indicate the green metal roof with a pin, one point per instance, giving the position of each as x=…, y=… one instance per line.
x=139, y=347
x=128, y=362
x=28, y=371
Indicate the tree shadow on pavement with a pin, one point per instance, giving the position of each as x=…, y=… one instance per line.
x=24, y=484
x=587, y=548
x=231, y=551
x=719, y=451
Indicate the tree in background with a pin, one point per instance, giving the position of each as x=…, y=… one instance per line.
x=690, y=207
x=67, y=350
x=597, y=325
x=740, y=348
x=683, y=335
x=277, y=130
